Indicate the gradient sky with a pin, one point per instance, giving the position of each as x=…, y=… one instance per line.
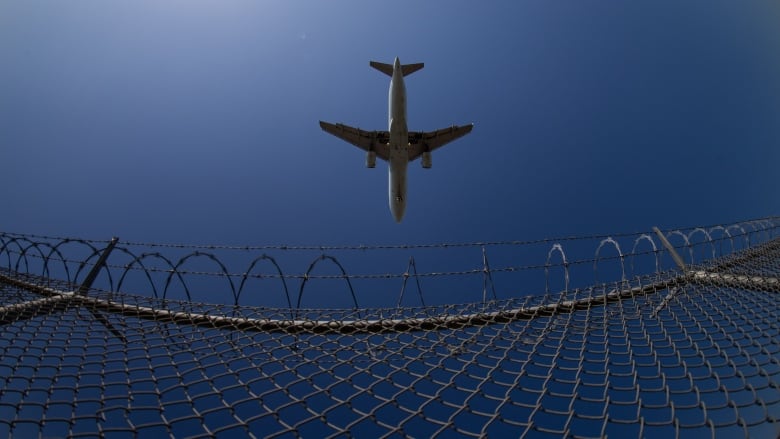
x=197, y=122
x=193, y=121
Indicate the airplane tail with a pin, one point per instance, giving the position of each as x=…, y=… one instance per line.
x=387, y=69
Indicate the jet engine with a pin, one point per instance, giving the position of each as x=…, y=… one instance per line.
x=371, y=159
x=426, y=160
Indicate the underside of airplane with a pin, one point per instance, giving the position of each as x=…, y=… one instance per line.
x=398, y=146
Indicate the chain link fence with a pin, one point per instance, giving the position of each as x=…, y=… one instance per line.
x=633, y=335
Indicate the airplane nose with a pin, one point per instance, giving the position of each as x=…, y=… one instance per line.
x=397, y=62
x=397, y=208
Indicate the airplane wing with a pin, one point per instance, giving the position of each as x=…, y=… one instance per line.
x=420, y=142
x=366, y=140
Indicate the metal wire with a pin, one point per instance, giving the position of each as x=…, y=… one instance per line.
x=691, y=351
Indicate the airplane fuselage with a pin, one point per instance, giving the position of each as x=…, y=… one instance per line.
x=397, y=146
x=399, y=143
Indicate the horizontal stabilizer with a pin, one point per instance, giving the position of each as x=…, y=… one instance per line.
x=387, y=69
x=408, y=69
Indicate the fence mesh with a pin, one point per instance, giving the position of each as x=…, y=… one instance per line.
x=616, y=343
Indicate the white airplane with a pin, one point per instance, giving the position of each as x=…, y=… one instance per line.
x=398, y=146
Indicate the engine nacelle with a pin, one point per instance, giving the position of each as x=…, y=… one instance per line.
x=427, y=162
x=371, y=159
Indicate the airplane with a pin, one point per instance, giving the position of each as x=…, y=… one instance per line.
x=398, y=146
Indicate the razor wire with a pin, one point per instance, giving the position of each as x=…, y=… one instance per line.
x=628, y=335
x=238, y=265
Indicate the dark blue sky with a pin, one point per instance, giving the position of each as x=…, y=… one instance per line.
x=197, y=121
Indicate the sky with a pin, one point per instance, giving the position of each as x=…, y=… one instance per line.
x=197, y=121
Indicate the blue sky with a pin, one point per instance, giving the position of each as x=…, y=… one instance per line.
x=197, y=121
